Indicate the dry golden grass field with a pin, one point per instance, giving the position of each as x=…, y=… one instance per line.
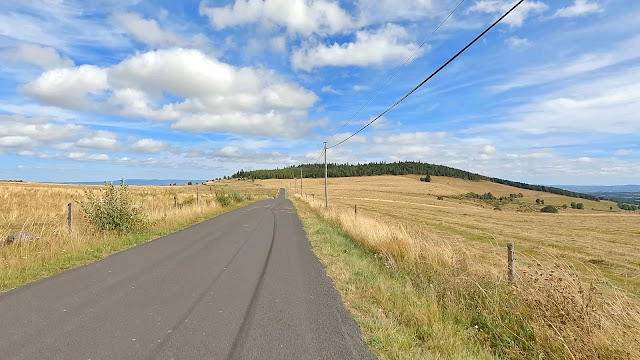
x=595, y=240
x=42, y=210
x=577, y=287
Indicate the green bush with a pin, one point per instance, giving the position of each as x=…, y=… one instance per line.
x=112, y=210
x=223, y=198
x=549, y=209
x=237, y=197
x=579, y=206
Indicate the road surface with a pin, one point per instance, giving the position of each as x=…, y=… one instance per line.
x=243, y=285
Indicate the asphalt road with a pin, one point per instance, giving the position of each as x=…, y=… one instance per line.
x=243, y=285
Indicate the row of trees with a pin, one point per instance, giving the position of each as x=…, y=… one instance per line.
x=627, y=207
x=395, y=168
x=370, y=169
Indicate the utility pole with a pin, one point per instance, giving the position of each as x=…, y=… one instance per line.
x=326, y=193
x=300, y=181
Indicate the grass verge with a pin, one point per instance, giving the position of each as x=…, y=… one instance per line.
x=38, y=261
x=418, y=300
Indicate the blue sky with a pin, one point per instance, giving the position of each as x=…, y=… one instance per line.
x=200, y=89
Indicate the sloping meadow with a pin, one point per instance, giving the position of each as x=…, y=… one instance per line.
x=551, y=310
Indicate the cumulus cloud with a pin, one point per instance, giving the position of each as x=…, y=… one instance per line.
x=148, y=146
x=147, y=30
x=298, y=16
x=212, y=95
x=15, y=141
x=389, y=43
x=42, y=56
x=579, y=8
x=517, y=17
x=100, y=140
x=68, y=87
x=21, y=133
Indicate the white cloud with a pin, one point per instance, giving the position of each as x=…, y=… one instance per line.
x=330, y=89
x=386, y=44
x=215, y=96
x=608, y=104
x=585, y=159
x=147, y=31
x=517, y=17
x=579, y=8
x=37, y=129
x=271, y=123
x=574, y=65
x=515, y=43
x=623, y=152
x=63, y=25
x=68, y=87
x=83, y=156
x=15, y=141
x=42, y=56
x=298, y=16
x=379, y=11
x=360, y=87
x=100, y=140
x=148, y=146
x=23, y=134
x=489, y=149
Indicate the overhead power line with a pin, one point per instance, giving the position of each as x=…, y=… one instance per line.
x=319, y=154
x=397, y=70
x=430, y=76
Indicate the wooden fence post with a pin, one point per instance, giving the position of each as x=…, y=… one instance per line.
x=197, y=196
x=175, y=202
x=70, y=216
x=314, y=197
x=511, y=257
x=355, y=210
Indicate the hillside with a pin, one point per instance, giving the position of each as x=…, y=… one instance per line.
x=395, y=168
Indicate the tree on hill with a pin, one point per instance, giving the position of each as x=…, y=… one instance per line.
x=573, y=205
x=549, y=209
x=579, y=206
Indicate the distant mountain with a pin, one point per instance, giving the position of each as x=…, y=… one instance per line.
x=589, y=189
x=141, y=182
